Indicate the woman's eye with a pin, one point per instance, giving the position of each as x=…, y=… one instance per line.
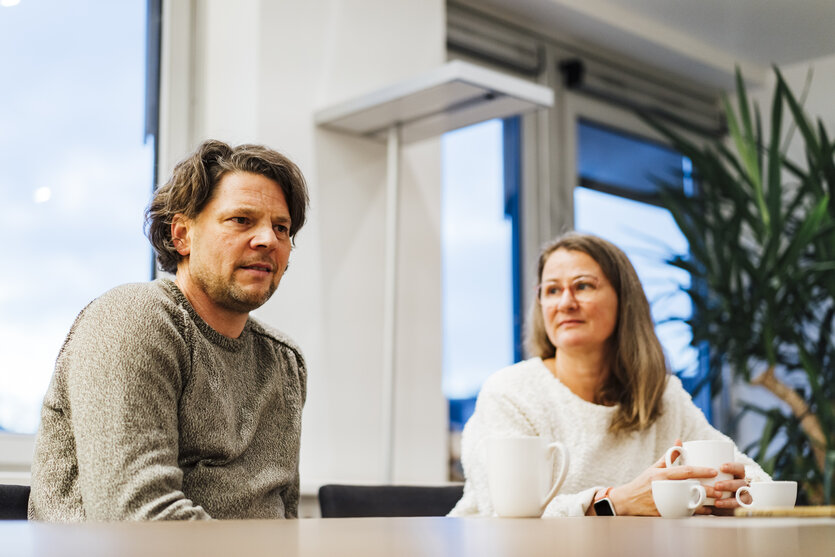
x=552, y=290
x=281, y=229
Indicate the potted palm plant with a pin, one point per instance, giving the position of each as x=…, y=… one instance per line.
x=762, y=258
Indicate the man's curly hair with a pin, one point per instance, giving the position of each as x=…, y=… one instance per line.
x=194, y=181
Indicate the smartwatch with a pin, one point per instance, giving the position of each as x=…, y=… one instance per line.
x=602, y=504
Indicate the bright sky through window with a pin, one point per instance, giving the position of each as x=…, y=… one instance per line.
x=75, y=176
x=477, y=272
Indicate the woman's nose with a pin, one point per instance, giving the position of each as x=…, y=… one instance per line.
x=567, y=299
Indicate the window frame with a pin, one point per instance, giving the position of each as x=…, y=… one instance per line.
x=577, y=107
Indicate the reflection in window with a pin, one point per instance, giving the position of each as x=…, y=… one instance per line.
x=618, y=201
x=648, y=234
x=75, y=177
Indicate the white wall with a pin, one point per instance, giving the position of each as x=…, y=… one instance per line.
x=261, y=69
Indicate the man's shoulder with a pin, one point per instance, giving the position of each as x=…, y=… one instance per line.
x=134, y=299
x=274, y=336
x=147, y=309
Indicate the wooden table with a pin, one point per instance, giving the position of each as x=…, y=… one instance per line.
x=370, y=537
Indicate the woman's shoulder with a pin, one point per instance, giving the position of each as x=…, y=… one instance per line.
x=673, y=389
x=677, y=404
x=517, y=376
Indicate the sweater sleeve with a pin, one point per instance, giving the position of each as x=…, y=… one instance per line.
x=123, y=369
x=571, y=504
x=697, y=427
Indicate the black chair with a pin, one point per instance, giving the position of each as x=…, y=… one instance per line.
x=14, y=502
x=347, y=501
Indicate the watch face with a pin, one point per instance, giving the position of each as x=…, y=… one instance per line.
x=604, y=508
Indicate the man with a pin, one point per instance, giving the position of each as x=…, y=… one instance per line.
x=168, y=401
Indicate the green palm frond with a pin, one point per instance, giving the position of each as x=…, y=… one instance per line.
x=762, y=260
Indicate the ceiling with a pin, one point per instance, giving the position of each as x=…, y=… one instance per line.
x=705, y=39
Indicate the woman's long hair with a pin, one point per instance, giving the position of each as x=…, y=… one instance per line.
x=637, y=368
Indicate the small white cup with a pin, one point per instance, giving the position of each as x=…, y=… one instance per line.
x=768, y=495
x=520, y=474
x=678, y=498
x=709, y=453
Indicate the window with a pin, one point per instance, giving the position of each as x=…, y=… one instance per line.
x=617, y=199
x=75, y=176
x=480, y=241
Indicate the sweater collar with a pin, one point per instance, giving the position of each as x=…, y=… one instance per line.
x=212, y=335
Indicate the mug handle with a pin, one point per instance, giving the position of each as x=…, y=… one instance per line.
x=560, y=478
x=668, y=456
x=700, y=489
x=739, y=492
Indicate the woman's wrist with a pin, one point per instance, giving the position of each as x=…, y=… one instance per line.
x=620, y=500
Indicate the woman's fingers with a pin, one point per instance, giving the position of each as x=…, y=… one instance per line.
x=727, y=503
x=730, y=485
x=687, y=472
x=725, y=507
x=737, y=469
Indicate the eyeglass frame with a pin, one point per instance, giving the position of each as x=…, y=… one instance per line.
x=584, y=279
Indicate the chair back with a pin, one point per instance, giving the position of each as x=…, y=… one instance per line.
x=345, y=501
x=14, y=502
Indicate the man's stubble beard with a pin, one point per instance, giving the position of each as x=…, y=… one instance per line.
x=229, y=294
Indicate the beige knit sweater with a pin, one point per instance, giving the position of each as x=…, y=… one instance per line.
x=526, y=399
x=152, y=414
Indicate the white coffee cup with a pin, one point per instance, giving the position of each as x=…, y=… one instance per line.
x=768, y=494
x=708, y=453
x=520, y=474
x=678, y=498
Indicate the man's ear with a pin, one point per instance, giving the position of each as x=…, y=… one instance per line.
x=180, y=236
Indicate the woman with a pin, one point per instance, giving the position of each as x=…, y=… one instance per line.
x=599, y=385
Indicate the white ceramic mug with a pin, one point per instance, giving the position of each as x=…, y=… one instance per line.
x=678, y=498
x=709, y=453
x=768, y=494
x=520, y=474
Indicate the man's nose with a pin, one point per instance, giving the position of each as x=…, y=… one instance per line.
x=264, y=236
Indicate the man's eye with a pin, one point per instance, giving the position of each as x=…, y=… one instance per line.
x=281, y=229
x=239, y=220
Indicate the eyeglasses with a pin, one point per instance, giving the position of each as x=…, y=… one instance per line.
x=549, y=294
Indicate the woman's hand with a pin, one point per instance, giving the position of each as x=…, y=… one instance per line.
x=635, y=498
x=725, y=507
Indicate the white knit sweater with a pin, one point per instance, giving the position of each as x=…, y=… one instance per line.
x=526, y=399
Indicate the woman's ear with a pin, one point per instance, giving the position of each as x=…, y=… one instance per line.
x=180, y=226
